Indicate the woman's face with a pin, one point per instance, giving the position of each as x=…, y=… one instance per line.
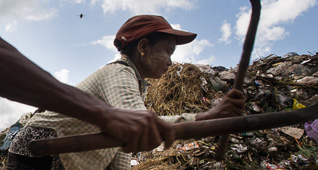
x=159, y=58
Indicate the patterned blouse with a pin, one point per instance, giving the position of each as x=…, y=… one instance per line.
x=119, y=85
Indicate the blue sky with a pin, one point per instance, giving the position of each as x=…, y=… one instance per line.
x=51, y=34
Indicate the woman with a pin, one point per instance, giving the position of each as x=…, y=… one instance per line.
x=146, y=43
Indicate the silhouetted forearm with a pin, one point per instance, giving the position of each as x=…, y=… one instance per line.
x=25, y=82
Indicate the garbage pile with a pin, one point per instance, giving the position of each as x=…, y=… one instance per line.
x=272, y=84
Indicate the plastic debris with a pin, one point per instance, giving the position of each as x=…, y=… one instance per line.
x=12, y=132
x=239, y=148
x=297, y=105
x=272, y=84
x=272, y=149
x=134, y=162
x=188, y=146
x=160, y=148
x=300, y=159
x=265, y=165
x=293, y=132
x=311, y=129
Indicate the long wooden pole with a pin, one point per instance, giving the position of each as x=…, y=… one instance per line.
x=188, y=130
x=244, y=63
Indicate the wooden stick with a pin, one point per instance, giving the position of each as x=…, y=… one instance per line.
x=244, y=63
x=188, y=130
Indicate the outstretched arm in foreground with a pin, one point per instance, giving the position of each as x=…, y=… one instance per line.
x=25, y=82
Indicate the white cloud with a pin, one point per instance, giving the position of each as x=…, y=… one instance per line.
x=176, y=26
x=41, y=15
x=12, y=12
x=209, y=60
x=242, y=22
x=106, y=41
x=117, y=56
x=62, y=75
x=190, y=52
x=274, y=14
x=142, y=6
x=278, y=11
x=10, y=112
x=10, y=27
x=226, y=32
x=75, y=1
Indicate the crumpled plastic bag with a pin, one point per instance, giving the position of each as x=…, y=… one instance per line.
x=297, y=105
x=311, y=129
x=239, y=148
x=14, y=129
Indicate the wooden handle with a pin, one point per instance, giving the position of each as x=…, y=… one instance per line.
x=244, y=63
x=188, y=130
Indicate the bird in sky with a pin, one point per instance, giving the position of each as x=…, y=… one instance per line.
x=81, y=15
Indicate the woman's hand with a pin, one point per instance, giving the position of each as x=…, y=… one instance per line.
x=232, y=104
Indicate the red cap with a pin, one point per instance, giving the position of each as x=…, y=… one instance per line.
x=142, y=25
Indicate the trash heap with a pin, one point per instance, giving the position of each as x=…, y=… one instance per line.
x=272, y=84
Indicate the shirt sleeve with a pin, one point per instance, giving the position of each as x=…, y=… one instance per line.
x=185, y=117
x=120, y=88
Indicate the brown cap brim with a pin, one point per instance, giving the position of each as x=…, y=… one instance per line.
x=183, y=37
x=142, y=25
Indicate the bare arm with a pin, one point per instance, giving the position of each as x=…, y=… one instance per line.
x=23, y=81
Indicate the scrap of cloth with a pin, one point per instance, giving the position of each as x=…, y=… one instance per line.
x=311, y=129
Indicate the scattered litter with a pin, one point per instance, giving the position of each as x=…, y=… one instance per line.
x=272, y=149
x=265, y=165
x=311, y=129
x=134, y=162
x=239, y=148
x=297, y=105
x=160, y=148
x=293, y=132
x=11, y=133
x=188, y=146
x=272, y=84
x=300, y=159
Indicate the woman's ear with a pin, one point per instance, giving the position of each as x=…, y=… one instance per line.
x=143, y=47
